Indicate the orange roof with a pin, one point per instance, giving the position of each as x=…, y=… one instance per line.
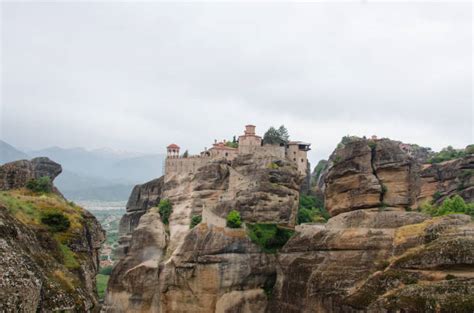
x=173, y=146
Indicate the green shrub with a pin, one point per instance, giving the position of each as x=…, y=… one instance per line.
x=451, y=205
x=233, y=219
x=56, y=221
x=448, y=153
x=470, y=149
x=195, y=219
x=436, y=196
x=42, y=184
x=165, y=210
x=269, y=237
x=107, y=270
x=384, y=189
x=311, y=210
x=273, y=165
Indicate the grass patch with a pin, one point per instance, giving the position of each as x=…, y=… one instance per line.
x=269, y=237
x=101, y=282
x=64, y=280
x=69, y=257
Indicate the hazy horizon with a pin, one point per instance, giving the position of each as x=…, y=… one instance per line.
x=139, y=76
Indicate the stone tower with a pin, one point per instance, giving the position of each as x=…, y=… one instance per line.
x=172, y=151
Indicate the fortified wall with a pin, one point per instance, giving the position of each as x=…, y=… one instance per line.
x=248, y=143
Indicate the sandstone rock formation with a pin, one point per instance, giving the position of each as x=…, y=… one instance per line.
x=378, y=261
x=42, y=270
x=16, y=174
x=143, y=197
x=211, y=267
x=376, y=254
x=373, y=173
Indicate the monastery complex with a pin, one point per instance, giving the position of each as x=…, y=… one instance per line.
x=248, y=143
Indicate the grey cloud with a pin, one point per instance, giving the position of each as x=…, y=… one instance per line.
x=138, y=76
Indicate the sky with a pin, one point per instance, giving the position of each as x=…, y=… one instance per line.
x=139, y=76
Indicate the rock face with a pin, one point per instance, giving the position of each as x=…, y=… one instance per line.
x=43, y=270
x=372, y=261
x=16, y=174
x=210, y=268
x=375, y=254
x=143, y=197
x=373, y=173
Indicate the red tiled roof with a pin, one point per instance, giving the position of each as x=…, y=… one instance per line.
x=173, y=146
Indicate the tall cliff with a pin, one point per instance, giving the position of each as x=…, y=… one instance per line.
x=211, y=267
x=376, y=253
x=48, y=246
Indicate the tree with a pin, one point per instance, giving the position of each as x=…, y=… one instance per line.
x=165, y=210
x=233, y=219
x=275, y=136
x=185, y=154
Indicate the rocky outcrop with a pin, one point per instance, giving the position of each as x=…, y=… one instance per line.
x=211, y=267
x=17, y=174
x=44, y=269
x=375, y=254
x=378, y=261
x=445, y=179
x=142, y=198
x=377, y=173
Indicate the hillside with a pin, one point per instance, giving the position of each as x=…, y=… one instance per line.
x=49, y=247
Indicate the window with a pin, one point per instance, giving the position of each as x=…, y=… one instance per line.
x=226, y=154
x=294, y=159
x=302, y=160
x=294, y=152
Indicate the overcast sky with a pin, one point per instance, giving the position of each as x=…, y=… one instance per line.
x=138, y=76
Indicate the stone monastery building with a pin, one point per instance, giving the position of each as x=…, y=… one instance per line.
x=248, y=143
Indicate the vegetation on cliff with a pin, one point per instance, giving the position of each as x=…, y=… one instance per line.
x=311, y=210
x=269, y=237
x=165, y=209
x=449, y=153
x=233, y=219
x=451, y=205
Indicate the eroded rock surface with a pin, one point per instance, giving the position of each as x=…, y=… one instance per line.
x=202, y=269
x=16, y=174
x=378, y=173
x=371, y=261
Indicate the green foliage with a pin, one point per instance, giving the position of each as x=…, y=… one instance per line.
x=348, y=139
x=384, y=189
x=56, y=221
x=312, y=210
x=233, y=144
x=186, y=154
x=165, y=210
x=448, y=153
x=195, y=219
x=269, y=237
x=101, y=282
x=69, y=257
x=469, y=149
x=107, y=270
x=273, y=165
x=372, y=144
x=276, y=136
x=42, y=184
x=451, y=205
x=318, y=170
x=436, y=196
x=233, y=219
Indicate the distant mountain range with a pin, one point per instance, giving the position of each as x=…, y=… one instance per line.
x=100, y=174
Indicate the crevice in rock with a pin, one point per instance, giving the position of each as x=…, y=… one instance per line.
x=374, y=172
